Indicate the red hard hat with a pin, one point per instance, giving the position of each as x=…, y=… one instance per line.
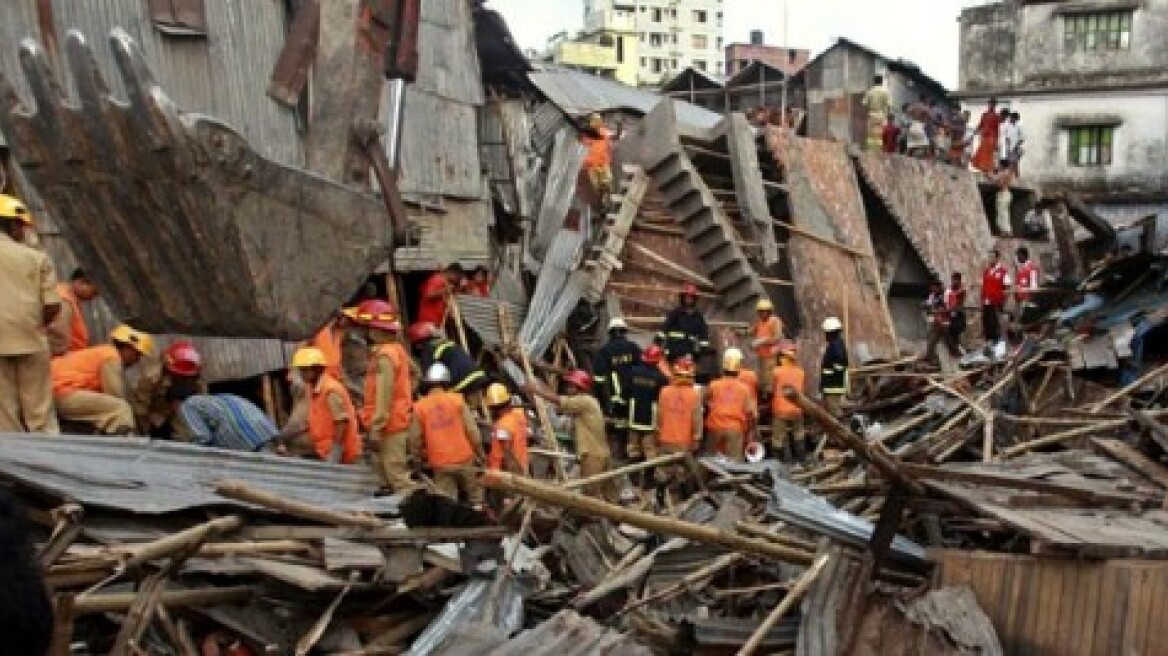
x=684, y=367
x=420, y=331
x=182, y=359
x=580, y=379
x=376, y=313
x=653, y=354
x=689, y=289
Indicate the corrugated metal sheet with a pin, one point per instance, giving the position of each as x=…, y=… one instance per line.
x=504, y=135
x=568, y=632
x=1070, y=607
x=448, y=62
x=482, y=314
x=567, y=157
x=557, y=291
x=142, y=476
x=938, y=207
x=463, y=628
x=825, y=200
x=439, y=147
x=580, y=93
x=224, y=75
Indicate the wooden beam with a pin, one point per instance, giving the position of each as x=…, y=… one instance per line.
x=117, y=602
x=1092, y=496
x=802, y=585
x=240, y=491
x=673, y=266
x=627, y=469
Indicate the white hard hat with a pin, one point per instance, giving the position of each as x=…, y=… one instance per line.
x=731, y=359
x=617, y=323
x=502, y=434
x=832, y=324
x=437, y=373
x=755, y=452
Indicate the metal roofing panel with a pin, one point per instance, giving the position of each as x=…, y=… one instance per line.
x=439, y=147
x=568, y=632
x=580, y=93
x=939, y=208
x=448, y=62
x=152, y=477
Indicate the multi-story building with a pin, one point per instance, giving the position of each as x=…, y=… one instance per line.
x=1090, y=81
x=671, y=34
x=607, y=46
x=788, y=60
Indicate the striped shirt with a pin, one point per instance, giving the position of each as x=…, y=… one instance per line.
x=226, y=421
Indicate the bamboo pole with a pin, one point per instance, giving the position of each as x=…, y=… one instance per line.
x=171, y=543
x=557, y=496
x=1151, y=375
x=802, y=585
x=116, y=602
x=627, y=469
x=240, y=491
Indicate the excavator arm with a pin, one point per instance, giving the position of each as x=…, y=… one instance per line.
x=183, y=224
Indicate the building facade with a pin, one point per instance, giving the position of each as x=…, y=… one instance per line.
x=788, y=60
x=608, y=46
x=671, y=34
x=1090, y=81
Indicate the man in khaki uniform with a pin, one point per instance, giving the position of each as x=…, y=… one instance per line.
x=89, y=386
x=30, y=303
x=587, y=425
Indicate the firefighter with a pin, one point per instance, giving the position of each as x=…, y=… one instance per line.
x=731, y=410
x=768, y=332
x=747, y=376
x=68, y=331
x=30, y=305
x=444, y=431
x=685, y=331
x=587, y=427
x=509, y=432
x=833, y=374
x=179, y=370
x=645, y=384
x=787, y=435
x=610, y=368
x=89, y=387
x=680, y=421
x=431, y=346
x=597, y=140
x=331, y=432
x=388, y=399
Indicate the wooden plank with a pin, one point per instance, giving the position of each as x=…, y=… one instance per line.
x=1065, y=627
x=301, y=576
x=1135, y=631
x=345, y=555
x=1094, y=496
x=290, y=74
x=1129, y=456
x=1087, y=610
x=1107, y=593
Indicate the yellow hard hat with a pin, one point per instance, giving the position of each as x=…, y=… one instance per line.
x=731, y=360
x=765, y=305
x=135, y=339
x=308, y=356
x=497, y=394
x=12, y=207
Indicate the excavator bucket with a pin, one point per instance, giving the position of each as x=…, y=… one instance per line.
x=185, y=227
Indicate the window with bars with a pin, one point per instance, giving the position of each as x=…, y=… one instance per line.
x=1091, y=145
x=1109, y=30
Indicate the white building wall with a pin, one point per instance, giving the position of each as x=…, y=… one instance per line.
x=671, y=34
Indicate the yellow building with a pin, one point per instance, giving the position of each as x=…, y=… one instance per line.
x=607, y=47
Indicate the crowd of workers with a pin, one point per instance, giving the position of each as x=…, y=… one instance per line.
x=416, y=407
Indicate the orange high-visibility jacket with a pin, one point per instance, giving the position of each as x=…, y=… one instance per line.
x=598, y=149
x=402, y=404
x=78, y=331
x=728, y=405
x=81, y=370
x=787, y=375
x=772, y=328
x=328, y=340
x=320, y=421
x=676, y=407
x=439, y=415
x=750, y=379
x=514, y=421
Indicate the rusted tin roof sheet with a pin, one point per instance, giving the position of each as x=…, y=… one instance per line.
x=825, y=201
x=938, y=207
x=151, y=477
x=568, y=632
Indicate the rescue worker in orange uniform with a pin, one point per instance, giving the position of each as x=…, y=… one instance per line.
x=89, y=387
x=768, y=331
x=68, y=331
x=388, y=398
x=731, y=410
x=745, y=375
x=509, y=432
x=592, y=448
x=597, y=140
x=30, y=304
x=331, y=432
x=444, y=430
x=680, y=421
x=787, y=435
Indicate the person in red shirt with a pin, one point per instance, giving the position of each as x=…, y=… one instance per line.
x=479, y=283
x=995, y=278
x=890, y=136
x=436, y=294
x=1028, y=277
x=955, y=297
